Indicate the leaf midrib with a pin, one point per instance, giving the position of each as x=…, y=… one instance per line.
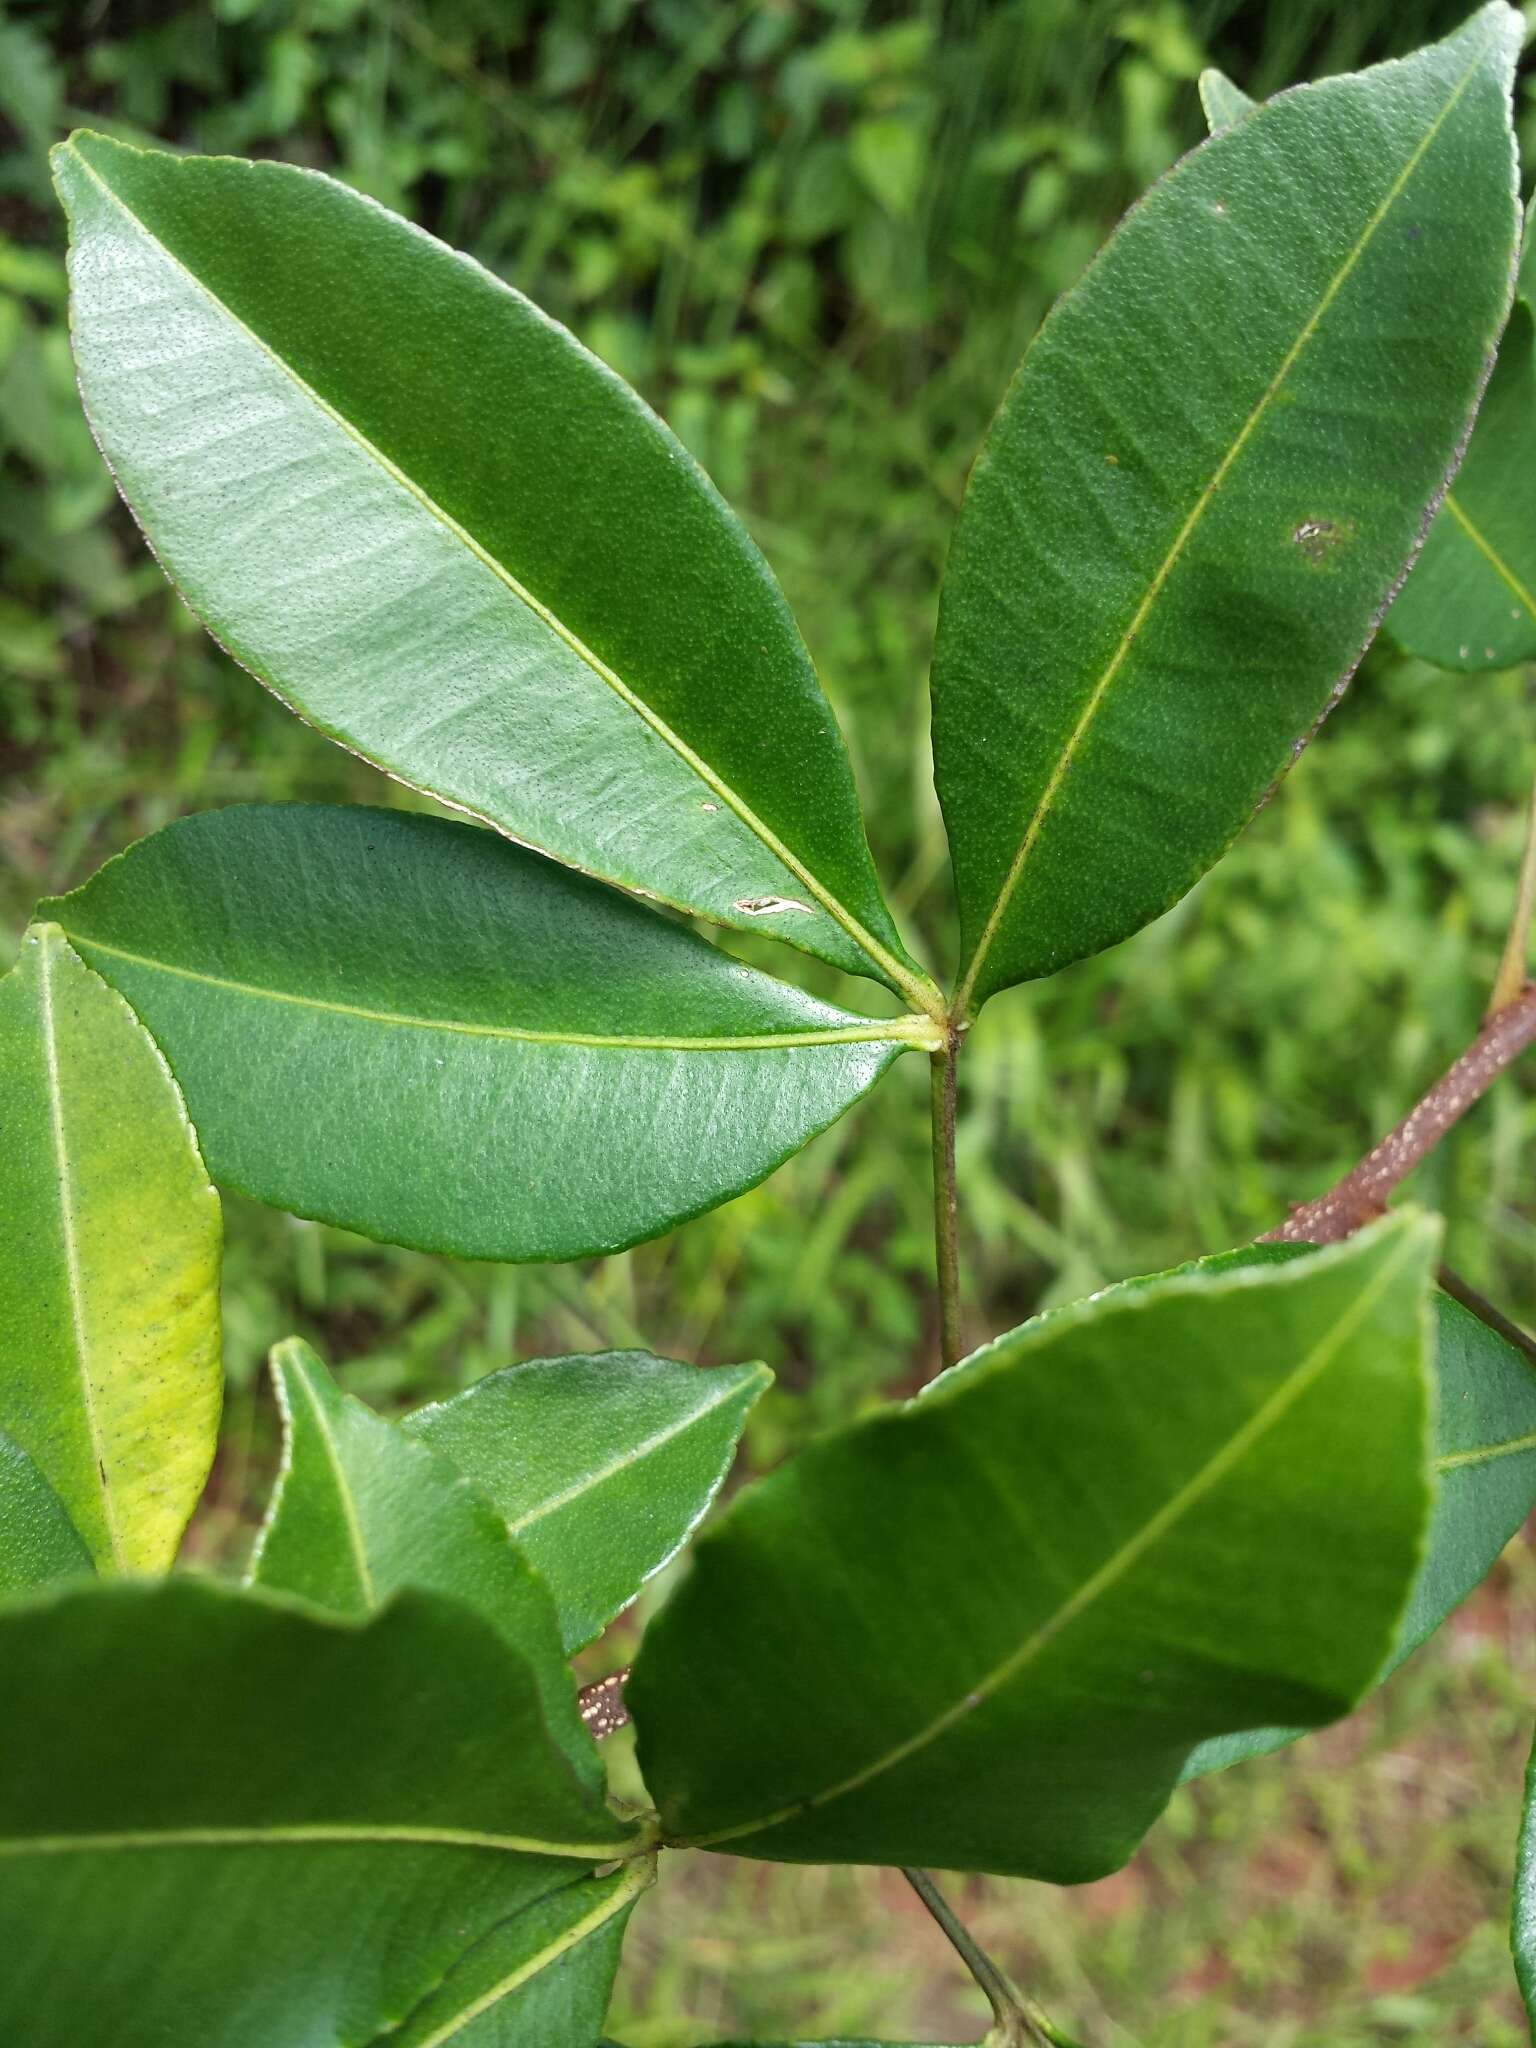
x=624, y=1894
x=74, y=1285
x=912, y=986
x=1490, y=554
x=347, y=1500
x=633, y=1456
x=1486, y=1454
x=1112, y=1571
x=905, y=1030
x=1197, y=512
x=310, y=1834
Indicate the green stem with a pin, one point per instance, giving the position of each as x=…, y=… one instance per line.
x=946, y=1233
x=1018, y=2021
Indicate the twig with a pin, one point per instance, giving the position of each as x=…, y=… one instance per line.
x=1019, y=2021
x=1362, y=1194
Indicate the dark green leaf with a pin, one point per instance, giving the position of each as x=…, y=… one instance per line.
x=1203, y=487
x=361, y=1511
x=109, y=1263
x=414, y=1029
x=602, y=1465
x=1221, y=101
x=542, y=1980
x=38, y=1541
x=230, y=1823
x=440, y=529
x=1485, y=1464
x=984, y=1631
x=1471, y=601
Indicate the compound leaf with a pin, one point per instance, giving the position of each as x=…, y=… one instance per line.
x=316, y=1821
x=109, y=1263
x=428, y=519
x=412, y=1028
x=601, y=1465
x=361, y=1510
x=38, y=1541
x=1203, y=487
x=985, y=1630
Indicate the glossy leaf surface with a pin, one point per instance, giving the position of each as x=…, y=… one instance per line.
x=109, y=1263
x=361, y=1511
x=985, y=1631
x=1203, y=487
x=601, y=1465
x=239, y=1823
x=439, y=528
x=417, y=1030
x=1485, y=1472
x=38, y=1541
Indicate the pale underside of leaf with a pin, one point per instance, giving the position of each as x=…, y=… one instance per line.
x=759, y=897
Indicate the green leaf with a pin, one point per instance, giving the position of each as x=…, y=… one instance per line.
x=1522, y=1924
x=240, y=1823
x=984, y=1631
x=1221, y=101
x=109, y=1263
x=1470, y=603
x=1485, y=1468
x=437, y=527
x=361, y=1511
x=602, y=1466
x=38, y=1541
x=414, y=1029
x=541, y=1981
x=1203, y=488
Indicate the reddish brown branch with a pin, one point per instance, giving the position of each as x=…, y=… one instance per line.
x=1362, y=1194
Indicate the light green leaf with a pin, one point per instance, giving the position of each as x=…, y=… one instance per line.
x=1221, y=101
x=38, y=1541
x=602, y=1465
x=1470, y=603
x=434, y=524
x=414, y=1029
x=984, y=1631
x=109, y=1263
x=1485, y=1470
x=361, y=1511
x=241, y=1823
x=1203, y=488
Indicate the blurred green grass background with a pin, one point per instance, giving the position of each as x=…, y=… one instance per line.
x=817, y=234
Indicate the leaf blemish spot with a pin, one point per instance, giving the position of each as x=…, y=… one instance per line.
x=1317, y=538
x=768, y=906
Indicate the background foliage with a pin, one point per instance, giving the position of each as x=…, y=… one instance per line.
x=817, y=236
